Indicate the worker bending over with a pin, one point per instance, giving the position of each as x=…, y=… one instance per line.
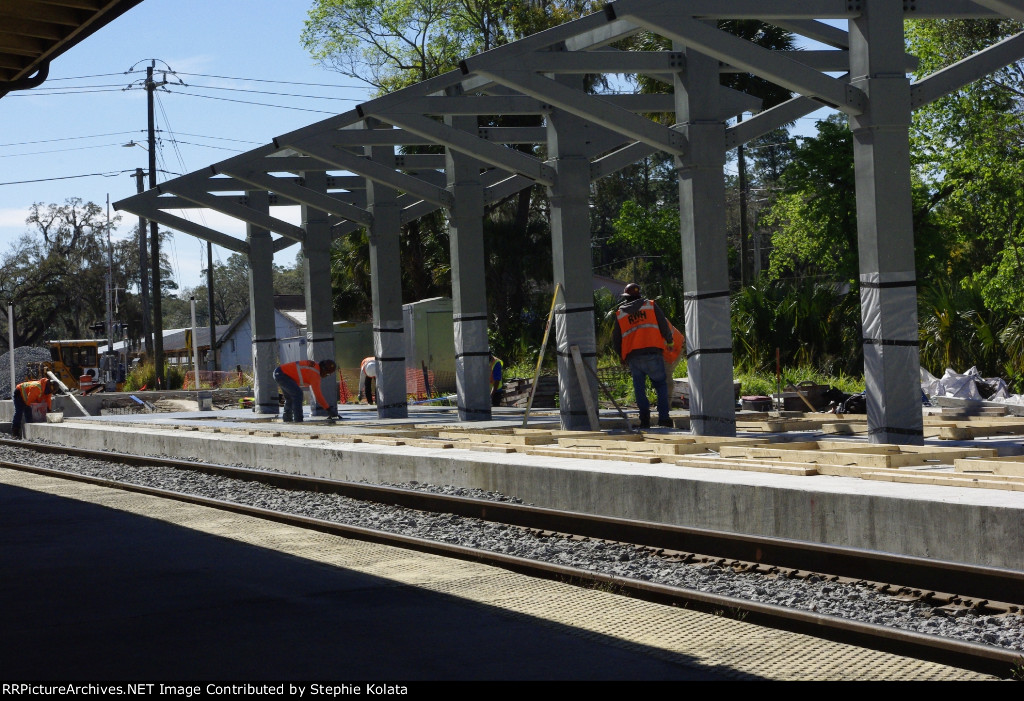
x=25, y=395
x=367, y=378
x=293, y=377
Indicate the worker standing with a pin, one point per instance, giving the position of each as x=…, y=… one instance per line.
x=367, y=378
x=25, y=395
x=641, y=335
x=497, y=380
x=293, y=377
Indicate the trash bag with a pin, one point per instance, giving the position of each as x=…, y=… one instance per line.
x=854, y=404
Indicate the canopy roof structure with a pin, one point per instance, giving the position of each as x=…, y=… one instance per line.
x=346, y=171
x=35, y=32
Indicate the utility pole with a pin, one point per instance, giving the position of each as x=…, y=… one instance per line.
x=154, y=237
x=211, y=360
x=110, y=292
x=147, y=334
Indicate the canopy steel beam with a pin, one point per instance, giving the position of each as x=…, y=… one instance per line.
x=743, y=54
x=147, y=207
x=305, y=196
x=968, y=70
x=322, y=147
x=464, y=142
x=193, y=191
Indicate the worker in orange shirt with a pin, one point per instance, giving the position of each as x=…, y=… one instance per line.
x=25, y=395
x=293, y=377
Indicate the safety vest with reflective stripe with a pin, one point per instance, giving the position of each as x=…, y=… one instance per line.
x=34, y=391
x=306, y=373
x=639, y=329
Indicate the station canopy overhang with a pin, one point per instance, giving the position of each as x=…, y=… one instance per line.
x=35, y=32
x=330, y=166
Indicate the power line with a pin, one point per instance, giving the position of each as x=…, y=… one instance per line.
x=279, y=94
x=70, y=138
x=282, y=82
x=67, y=177
x=56, y=150
x=247, y=102
x=30, y=93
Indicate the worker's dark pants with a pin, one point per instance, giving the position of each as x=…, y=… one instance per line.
x=367, y=387
x=292, y=396
x=651, y=366
x=496, y=395
x=22, y=415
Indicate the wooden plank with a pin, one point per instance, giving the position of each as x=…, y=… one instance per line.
x=1012, y=466
x=944, y=479
x=751, y=466
x=593, y=455
x=509, y=439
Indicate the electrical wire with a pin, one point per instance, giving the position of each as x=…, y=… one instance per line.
x=266, y=80
x=69, y=138
x=278, y=94
x=248, y=102
x=67, y=177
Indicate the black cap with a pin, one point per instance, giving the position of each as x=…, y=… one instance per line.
x=631, y=290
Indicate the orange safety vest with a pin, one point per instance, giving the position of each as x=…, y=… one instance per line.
x=306, y=373
x=363, y=366
x=639, y=329
x=34, y=391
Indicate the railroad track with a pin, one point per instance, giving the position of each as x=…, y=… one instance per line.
x=952, y=587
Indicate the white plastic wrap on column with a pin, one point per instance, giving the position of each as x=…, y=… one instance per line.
x=891, y=356
x=472, y=366
x=389, y=348
x=709, y=363
x=574, y=325
x=264, y=387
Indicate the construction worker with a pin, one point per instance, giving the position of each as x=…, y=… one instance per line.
x=367, y=378
x=293, y=377
x=497, y=380
x=25, y=395
x=641, y=335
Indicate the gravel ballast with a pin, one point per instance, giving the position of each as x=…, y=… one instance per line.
x=849, y=601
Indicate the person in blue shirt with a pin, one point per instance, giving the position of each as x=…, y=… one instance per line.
x=497, y=383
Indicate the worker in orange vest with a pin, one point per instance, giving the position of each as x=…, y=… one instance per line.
x=25, y=395
x=641, y=335
x=293, y=377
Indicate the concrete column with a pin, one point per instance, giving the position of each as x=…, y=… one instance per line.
x=570, y=246
x=386, y=280
x=316, y=254
x=705, y=253
x=469, y=293
x=261, y=309
x=885, y=233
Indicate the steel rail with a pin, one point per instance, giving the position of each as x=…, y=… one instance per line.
x=930, y=577
x=962, y=655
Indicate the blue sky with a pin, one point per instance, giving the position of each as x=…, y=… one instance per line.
x=77, y=122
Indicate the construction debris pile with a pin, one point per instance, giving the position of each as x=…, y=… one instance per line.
x=23, y=355
x=968, y=385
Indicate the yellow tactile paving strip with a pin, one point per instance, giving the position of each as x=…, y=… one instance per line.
x=729, y=647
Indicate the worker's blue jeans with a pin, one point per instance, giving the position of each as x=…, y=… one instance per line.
x=650, y=366
x=292, y=396
x=22, y=415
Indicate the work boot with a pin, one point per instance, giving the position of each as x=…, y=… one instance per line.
x=645, y=420
x=666, y=423
x=287, y=418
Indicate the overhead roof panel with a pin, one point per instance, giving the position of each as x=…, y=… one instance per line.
x=34, y=32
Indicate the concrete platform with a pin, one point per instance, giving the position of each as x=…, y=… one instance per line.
x=982, y=527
